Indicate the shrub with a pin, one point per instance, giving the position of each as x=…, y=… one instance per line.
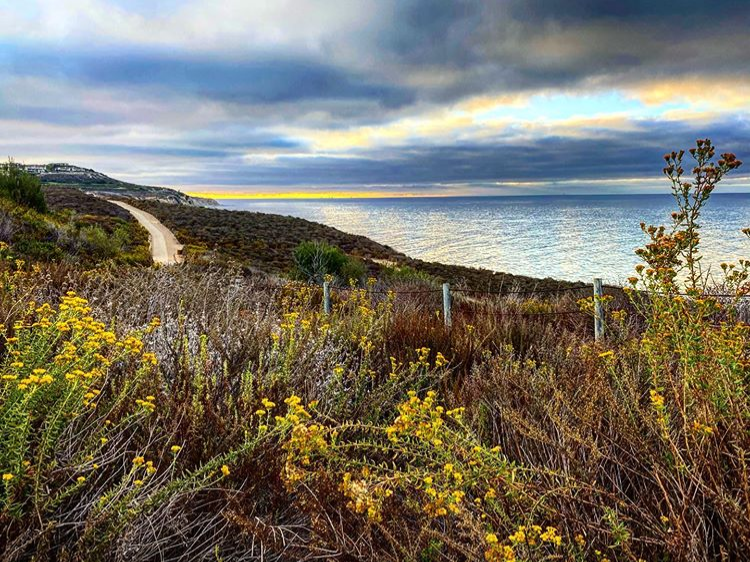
x=101, y=244
x=21, y=187
x=314, y=260
x=405, y=274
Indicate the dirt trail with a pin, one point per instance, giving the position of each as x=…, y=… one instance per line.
x=165, y=249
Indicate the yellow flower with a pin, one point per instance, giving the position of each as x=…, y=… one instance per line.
x=138, y=482
x=440, y=360
x=138, y=461
x=267, y=404
x=7, y=476
x=81, y=479
x=150, y=358
x=103, y=440
x=656, y=399
x=491, y=538
x=225, y=470
x=175, y=448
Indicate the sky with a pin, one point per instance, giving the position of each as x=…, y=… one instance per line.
x=375, y=97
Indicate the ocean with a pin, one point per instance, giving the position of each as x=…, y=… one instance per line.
x=573, y=237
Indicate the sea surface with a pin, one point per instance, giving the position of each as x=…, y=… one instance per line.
x=574, y=237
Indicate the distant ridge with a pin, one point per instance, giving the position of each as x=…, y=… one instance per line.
x=99, y=184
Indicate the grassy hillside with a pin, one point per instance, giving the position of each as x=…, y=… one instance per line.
x=77, y=228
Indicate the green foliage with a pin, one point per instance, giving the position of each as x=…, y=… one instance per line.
x=21, y=187
x=101, y=244
x=406, y=274
x=77, y=228
x=313, y=261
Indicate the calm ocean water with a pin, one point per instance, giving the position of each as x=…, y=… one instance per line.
x=565, y=237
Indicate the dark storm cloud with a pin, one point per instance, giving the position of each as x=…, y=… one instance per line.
x=436, y=31
x=679, y=12
x=268, y=81
x=513, y=45
x=550, y=159
x=468, y=47
x=135, y=150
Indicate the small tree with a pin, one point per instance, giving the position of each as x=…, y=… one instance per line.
x=21, y=187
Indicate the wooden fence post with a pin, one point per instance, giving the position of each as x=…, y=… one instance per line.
x=598, y=310
x=447, y=304
x=326, y=297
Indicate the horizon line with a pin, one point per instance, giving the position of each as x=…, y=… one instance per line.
x=300, y=195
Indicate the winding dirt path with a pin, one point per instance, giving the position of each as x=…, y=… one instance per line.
x=165, y=249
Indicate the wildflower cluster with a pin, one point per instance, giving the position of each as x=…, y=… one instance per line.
x=306, y=441
x=365, y=495
x=55, y=364
x=526, y=543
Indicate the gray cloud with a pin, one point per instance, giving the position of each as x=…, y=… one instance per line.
x=618, y=156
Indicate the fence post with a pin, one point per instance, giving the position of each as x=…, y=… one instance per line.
x=447, y=304
x=326, y=297
x=598, y=309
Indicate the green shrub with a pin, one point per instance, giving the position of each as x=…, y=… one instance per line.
x=37, y=250
x=406, y=274
x=314, y=260
x=18, y=185
x=101, y=244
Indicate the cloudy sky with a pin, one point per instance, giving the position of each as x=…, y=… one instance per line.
x=374, y=96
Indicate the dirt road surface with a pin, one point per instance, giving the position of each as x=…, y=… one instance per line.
x=165, y=249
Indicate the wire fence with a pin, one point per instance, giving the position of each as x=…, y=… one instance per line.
x=596, y=290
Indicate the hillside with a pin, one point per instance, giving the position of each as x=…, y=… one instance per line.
x=77, y=229
x=100, y=184
x=266, y=242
